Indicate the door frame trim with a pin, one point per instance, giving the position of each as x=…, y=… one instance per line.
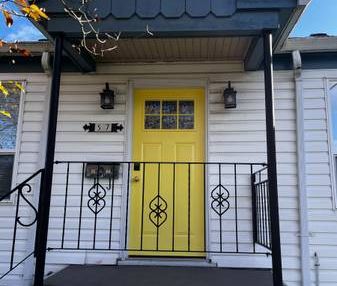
x=140, y=83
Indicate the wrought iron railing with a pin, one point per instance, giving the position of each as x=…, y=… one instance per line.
x=261, y=208
x=166, y=208
x=18, y=202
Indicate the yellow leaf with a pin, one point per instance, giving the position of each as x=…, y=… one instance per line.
x=4, y=90
x=5, y=113
x=34, y=12
x=19, y=86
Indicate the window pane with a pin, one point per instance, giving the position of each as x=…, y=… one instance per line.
x=186, y=107
x=152, y=107
x=333, y=96
x=8, y=125
x=6, y=167
x=152, y=122
x=169, y=122
x=169, y=107
x=186, y=122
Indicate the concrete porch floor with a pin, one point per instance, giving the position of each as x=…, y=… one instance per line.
x=158, y=275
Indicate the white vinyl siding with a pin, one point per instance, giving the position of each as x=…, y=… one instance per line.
x=232, y=136
x=238, y=135
x=319, y=175
x=27, y=161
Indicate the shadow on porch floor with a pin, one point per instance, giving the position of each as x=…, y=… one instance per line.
x=159, y=276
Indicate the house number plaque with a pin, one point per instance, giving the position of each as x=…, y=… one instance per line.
x=103, y=127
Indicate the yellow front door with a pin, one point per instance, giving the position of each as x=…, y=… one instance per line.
x=167, y=199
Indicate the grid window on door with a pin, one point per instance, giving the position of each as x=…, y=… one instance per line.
x=169, y=114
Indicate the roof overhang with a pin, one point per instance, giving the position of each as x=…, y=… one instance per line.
x=183, y=19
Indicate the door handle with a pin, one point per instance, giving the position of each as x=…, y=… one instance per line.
x=135, y=179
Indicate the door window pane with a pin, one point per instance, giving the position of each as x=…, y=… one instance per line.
x=169, y=107
x=186, y=122
x=152, y=122
x=152, y=107
x=169, y=122
x=186, y=107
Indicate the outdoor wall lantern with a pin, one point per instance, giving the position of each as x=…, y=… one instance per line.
x=229, y=95
x=107, y=98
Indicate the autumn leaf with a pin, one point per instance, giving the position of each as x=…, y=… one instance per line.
x=22, y=3
x=19, y=86
x=22, y=52
x=34, y=12
x=8, y=18
x=5, y=113
x=3, y=89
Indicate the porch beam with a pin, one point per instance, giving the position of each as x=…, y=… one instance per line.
x=83, y=60
x=45, y=193
x=271, y=158
x=254, y=57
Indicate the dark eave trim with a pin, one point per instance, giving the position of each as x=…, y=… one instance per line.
x=282, y=62
x=240, y=24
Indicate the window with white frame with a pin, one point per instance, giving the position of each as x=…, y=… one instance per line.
x=9, y=115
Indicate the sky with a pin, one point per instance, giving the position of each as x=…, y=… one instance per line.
x=319, y=17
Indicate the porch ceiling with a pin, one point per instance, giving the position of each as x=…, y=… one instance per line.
x=178, y=49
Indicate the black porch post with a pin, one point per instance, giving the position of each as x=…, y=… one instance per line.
x=271, y=157
x=45, y=193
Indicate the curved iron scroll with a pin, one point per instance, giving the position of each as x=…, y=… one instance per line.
x=220, y=203
x=20, y=194
x=158, y=214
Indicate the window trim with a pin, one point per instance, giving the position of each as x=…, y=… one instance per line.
x=16, y=151
x=328, y=84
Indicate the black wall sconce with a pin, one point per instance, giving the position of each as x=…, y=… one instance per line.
x=107, y=98
x=229, y=95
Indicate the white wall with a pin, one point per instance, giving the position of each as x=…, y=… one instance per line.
x=239, y=135
x=235, y=135
x=27, y=162
x=322, y=212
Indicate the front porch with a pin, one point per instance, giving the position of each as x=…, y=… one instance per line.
x=91, y=218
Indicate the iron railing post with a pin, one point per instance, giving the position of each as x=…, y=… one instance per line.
x=45, y=194
x=252, y=183
x=271, y=157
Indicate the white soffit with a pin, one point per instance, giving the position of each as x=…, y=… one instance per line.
x=178, y=49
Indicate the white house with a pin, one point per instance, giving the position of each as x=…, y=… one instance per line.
x=180, y=127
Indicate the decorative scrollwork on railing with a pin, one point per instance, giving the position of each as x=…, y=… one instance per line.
x=21, y=195
x=220, y=203
x=158, y=214
x=96, y=202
